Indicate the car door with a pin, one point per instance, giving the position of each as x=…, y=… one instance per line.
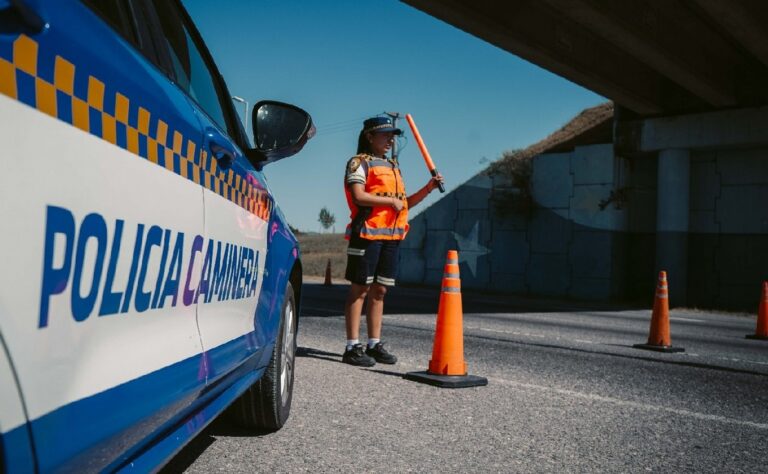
x=102, y=210
x=237, y=207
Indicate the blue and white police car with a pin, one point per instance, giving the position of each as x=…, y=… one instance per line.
x=148, y=282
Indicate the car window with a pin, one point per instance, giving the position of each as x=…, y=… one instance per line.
x=191, y=71
x=116, y=14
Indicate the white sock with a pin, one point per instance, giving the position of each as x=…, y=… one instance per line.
x=372, y=342
x=352, y=342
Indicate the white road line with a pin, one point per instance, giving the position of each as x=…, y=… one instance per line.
x=678, y=318
x=583, y=341
x=731, y=359
x=627, y=403
x=616, y=401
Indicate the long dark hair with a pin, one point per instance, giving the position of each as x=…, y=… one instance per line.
x=363, y=144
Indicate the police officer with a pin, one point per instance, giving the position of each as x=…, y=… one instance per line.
x=379, y=222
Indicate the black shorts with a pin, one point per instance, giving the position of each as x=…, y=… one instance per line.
x=372, y=261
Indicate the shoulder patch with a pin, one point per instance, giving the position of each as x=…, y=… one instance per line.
x=353, y=164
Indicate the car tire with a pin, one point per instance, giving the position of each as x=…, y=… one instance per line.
x=266, y=405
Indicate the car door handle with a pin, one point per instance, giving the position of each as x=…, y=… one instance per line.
x=220, y=147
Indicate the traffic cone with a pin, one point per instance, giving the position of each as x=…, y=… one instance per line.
x=447, y=367
x=328, y=274
x=761, y=331
x=658, y=337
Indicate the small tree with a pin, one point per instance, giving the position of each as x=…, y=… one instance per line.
x=326, y=219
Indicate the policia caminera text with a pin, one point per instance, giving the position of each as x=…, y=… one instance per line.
x=229, y=271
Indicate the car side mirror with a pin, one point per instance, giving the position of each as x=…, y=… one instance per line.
x=279, y=131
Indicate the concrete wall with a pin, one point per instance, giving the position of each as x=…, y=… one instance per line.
x=728, y=233
x=641, y=229
x=460, y=220
x=569, y=247
x=729, y=228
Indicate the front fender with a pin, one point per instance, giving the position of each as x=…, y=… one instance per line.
x=280, y=267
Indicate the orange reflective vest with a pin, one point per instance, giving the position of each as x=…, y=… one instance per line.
x=378, y=222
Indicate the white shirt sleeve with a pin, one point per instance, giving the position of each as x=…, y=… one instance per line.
x=356, y=172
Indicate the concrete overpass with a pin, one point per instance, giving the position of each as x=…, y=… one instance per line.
x=653, y=57
x=688, y=79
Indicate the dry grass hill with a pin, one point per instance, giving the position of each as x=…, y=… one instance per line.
x=316, y=249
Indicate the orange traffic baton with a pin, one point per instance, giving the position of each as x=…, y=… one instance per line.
x=424, y=151
x=658, y=337
x=447, y=368
x=761, y=330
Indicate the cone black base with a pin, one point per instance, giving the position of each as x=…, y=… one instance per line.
x=755, y=336
x=651, y=347
x=447, y=381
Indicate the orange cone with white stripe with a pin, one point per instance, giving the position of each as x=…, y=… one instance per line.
x=448, y=347
x=659, y=338
x=447, y=368
x=761, y=331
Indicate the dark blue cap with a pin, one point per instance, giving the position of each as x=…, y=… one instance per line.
x=380, y=124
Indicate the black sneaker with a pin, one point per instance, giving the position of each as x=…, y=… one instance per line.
x=356, y=356
x=379, y=353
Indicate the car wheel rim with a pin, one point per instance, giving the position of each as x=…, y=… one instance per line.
x=287, y=354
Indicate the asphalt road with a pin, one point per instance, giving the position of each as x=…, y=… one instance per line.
x=566, y=393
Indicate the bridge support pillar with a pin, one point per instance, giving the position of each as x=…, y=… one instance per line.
x=672, y=220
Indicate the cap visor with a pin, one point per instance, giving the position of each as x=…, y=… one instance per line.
x=394, y=130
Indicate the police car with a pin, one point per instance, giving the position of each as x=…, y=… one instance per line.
x=148, y=282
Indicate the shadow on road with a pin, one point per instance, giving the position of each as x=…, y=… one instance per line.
x=388, y=372
x=187, y=456
x=335, y=357
x=318, y=354
x=221, y=426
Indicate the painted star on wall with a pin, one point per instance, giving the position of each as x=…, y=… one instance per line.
x=470, y=248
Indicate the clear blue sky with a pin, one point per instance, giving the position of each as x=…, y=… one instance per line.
x=345, y=60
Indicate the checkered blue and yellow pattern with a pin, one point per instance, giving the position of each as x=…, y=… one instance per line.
x=48, y=83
